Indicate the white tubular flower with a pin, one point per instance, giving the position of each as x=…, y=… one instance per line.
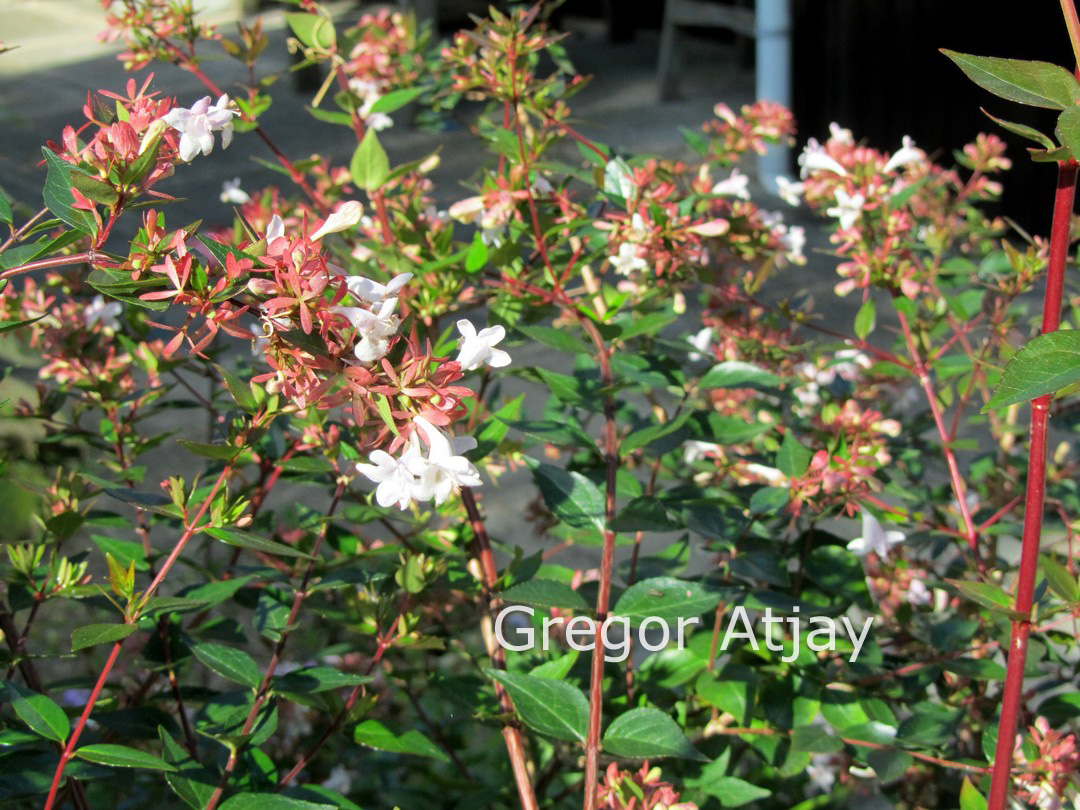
x=735, y=186
x=275, y=230
x=198, y=124
x=848, y=208
x=478, y=348
x=794, y=240
x=442, y=472
x=341, y=220
x=97, y=311
x=232, y=193
x=374, y=329
x=694, y=450
x=840, y=134
x=814, y=158
x=907, y=154
x=626, y=260
x=874, y=538
x=822, y=773
x=394, y=477
x=918, y=594
x=701, y=342
x=790, y=191
x=467, y=210
x=372, y=291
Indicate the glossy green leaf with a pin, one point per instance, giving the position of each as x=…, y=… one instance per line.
x=644, y=514
x=228, y=662
x=647, y=733
x=1044, y=366
x=730, y=791
x=666, y=597
x=219, y=452
x=573, y=498
x=865, y=319
x=553, y=708
x=92, y=634
x=190, y=781
x=58, y=196
x=271, y=801
x=738, y=374
x=1022, y=130
x=39, y=712
x=544, y=593
x=318, y=679
x=252, y=542
x=1059, y=579
x=555, y=338
x=396, y=99
x=1068, y=129
x=648, y=435
x=1038, y=84
x=8, y=326
x=121, y=756
x=374, y=734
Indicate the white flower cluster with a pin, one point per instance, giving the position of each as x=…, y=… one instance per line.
x=370, y=92
x=198, y=123
x=414, y=476
x=847, y=364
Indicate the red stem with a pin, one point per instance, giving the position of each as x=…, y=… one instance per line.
x=1012, y=698
x=69, y=750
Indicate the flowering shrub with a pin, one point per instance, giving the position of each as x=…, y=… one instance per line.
x=315, y=618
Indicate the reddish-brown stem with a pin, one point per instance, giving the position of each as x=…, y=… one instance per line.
x=511, y=735
x=264, y=688
x=17, y=235
x=191, y=528
x=88, y=257
x=955, y=478
x=607, y=565
x=1012, y=699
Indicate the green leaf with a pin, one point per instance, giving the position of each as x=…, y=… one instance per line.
x=228, y=662
x=971, y=798
x=644, y=514
x=730, y=791
x=1038, y=84
x=240, y=539
x=814, y=740
x=58, y=196
x=1059, y=579
x=238, y=389
x=665, y=597
x=544, y=593
x=573, y=498
x=737, y=374
x=889, y=763
x=865, y=319
x=370, y=165
x=732, y=690
x=6, y=214
x=318, y=679
x=120, y=756
x=39, y=712
x=395, y=100
x=8, y=326
x=313, y=30
x=1044, y=366
x=190, y=781
x=1068, y=129
x=555, y=338
x=553, y=708
x=270, y=801
x=94, y=189
x=647, y=733
x=477, y=256
x=374, y=734
x=793, y=459
x=1022, y=130
x=984, y=593
x=91, y=634
x=220, y=452
x=646, y=436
